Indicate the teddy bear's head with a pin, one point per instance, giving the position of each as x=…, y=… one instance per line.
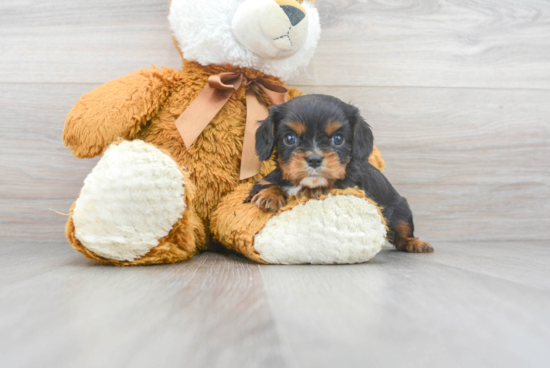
x=276, y=37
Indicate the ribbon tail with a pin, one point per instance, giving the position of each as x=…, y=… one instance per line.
x=255, y=111
x=277, y=94
x=201, y=112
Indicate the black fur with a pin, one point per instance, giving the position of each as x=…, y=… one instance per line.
x=265, y=141
x=363, y=139
x=315, y=112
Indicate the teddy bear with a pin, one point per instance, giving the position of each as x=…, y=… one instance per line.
x=177, y=149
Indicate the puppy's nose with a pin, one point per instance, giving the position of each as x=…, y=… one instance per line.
x=314, y=161
x=294, y=14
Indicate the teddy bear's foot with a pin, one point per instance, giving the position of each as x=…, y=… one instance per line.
x=343, y=227
x=339, y=229
x=136, y=208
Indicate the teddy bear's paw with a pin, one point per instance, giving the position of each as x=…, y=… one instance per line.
x=339, y=229
x=131, y=199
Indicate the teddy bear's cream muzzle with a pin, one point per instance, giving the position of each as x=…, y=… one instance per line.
x=272, y=29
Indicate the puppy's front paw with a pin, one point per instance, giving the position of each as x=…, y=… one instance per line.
x=269, y=199
x=414, y=245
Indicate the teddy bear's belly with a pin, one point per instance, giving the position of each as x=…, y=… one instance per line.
x=215, y=174
x=213, y=161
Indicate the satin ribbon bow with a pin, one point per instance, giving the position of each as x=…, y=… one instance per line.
x=212, y=99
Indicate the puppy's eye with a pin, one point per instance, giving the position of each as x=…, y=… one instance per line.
x=337, y=139
x=290, y=139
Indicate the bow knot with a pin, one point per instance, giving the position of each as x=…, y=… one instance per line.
x=213, y=98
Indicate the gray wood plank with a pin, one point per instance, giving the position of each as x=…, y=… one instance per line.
x=472, y=163
x=209, y=312
x=466, y=305
x=491, y=44
x=433, y=43
x=37, y=173
x=404, y=310
x=501, y=260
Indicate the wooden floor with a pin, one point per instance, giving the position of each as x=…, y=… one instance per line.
x=458, y=95
x=467, y=305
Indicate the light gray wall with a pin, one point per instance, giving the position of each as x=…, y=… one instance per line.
x=458, y=94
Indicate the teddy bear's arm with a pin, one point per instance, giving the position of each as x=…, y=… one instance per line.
x=117, y=109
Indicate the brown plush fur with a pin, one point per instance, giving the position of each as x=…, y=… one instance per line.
x=376, y=159
x=145, y=105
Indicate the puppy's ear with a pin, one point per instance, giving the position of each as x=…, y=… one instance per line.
x=265, y=136
x=363, y=139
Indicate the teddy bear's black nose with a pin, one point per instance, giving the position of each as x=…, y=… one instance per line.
x=314, y=161
x=294, y=14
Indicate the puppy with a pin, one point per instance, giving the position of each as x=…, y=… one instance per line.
x=323, y=143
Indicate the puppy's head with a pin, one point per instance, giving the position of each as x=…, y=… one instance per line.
x=316, y=137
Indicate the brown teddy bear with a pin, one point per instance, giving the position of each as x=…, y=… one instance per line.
x=178, y=149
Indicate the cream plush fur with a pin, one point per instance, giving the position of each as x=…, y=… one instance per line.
x=131, y=199
x=205, y=31
x=338, y=229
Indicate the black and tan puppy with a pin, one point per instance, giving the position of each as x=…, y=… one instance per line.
x=323, y=143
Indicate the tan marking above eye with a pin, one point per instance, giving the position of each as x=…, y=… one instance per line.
x=298, y=127
x=293, y=3
x=332, y=127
